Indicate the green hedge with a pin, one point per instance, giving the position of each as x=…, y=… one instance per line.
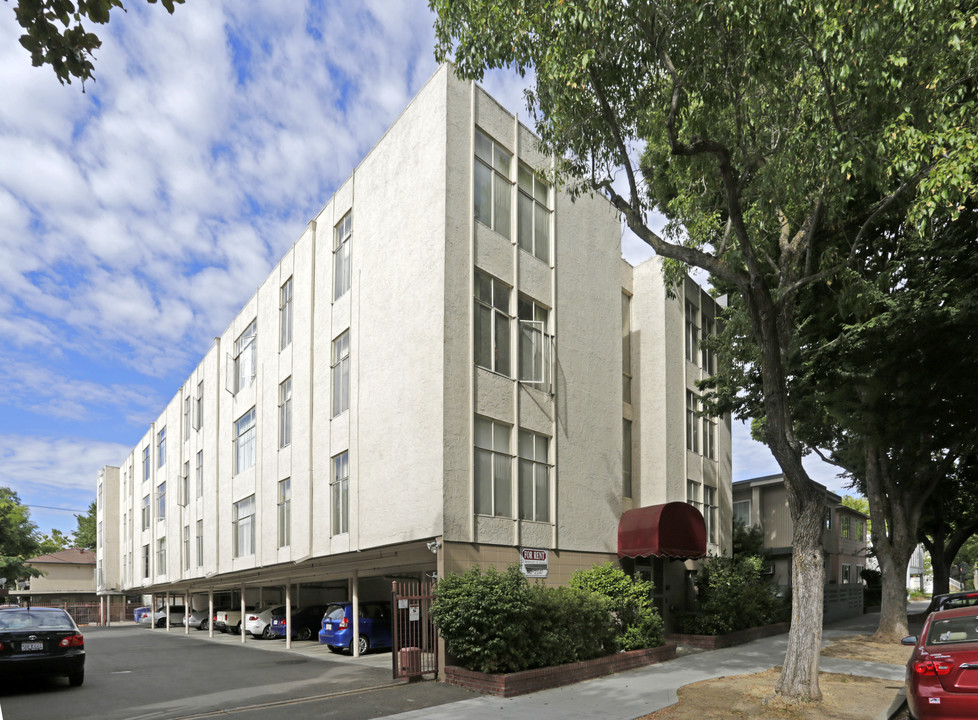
x=497, y=622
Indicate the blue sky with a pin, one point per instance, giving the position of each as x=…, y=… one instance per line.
x=136, y=218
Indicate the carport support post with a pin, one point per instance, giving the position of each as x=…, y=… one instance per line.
x=244, y=635
x=210, y=613
x=108, y=610
x=188, y=600
x=152, y=611
x=355, y=612
x=166, y=612
x=288, y=615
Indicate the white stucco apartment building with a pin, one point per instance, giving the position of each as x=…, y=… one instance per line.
x=443, y=370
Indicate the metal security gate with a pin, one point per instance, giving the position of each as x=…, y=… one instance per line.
x=415, y=638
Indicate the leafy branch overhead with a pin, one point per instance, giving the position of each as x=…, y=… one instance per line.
x=56, y=33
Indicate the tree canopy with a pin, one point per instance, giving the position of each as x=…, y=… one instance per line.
x=18, y=541
x=86, y=534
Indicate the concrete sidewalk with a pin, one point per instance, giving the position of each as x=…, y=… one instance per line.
x=635, y=693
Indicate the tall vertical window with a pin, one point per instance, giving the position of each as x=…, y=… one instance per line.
x=285, y=512
x=626, y=348
x=492, y=337
x=710, y=512
x=161, y=500
x=707, y=359
x=341, y=373
x=710, y=438
x=692, y=332
x=186, y=418
x=245, y=357
x=146, y=463
x=200, y=473
x=342, y=235
x=100, y=534
x=339, y=492
x=693, y=494
x=493, y=468
x=285, y=413
x=243, y=527
x=534, y=213
x=692, y=422
x=741, y=512
x=244, y=442
x=199, y=407
x=200, y=543
x=626, y=458
x=146, y=512
x=534, y=476
x=186, y=547
x=846, y=574
x=184, y=485
x=861, y=530
x=534, y=342
x=492, y=184
x=161, y=556
x=285, y=315
x=161, y=447
x=845, y=527
x=145, y=561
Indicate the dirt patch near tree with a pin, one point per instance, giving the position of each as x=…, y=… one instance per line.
x=862, y=647
x=844, y=697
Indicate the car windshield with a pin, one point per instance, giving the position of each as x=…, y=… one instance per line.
x=21, y=619
x=336, y=612
x=953, y=630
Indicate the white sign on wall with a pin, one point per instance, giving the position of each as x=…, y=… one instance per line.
x=534, y=562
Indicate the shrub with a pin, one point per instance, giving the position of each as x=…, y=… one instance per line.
x=733, y=594
x=637, y=622
x=568, y=625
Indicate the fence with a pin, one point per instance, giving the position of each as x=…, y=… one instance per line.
x=90, y=613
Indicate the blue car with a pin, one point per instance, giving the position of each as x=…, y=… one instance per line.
x=138, y=613
x=306, y=622
x=375, y=626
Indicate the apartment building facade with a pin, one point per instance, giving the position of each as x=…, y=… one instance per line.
x=450, y=365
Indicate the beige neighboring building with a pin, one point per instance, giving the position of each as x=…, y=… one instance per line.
x=69, y=577
x=452, y=364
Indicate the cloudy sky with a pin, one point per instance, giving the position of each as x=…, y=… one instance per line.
x=137, y=217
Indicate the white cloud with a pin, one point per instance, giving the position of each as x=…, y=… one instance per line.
x=32, y=463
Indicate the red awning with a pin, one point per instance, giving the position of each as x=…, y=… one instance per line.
x=675, y=530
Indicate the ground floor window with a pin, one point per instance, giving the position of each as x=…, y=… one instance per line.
x=493, y=468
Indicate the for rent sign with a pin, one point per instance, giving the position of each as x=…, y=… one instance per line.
x=534, y=562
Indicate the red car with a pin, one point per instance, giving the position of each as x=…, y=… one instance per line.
x=942, y=673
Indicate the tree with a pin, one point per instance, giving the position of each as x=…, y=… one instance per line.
x=771, y=136
x=53, y=542
x=17, y=537
x=85, y=532
x=55, y=33
x=950, y=519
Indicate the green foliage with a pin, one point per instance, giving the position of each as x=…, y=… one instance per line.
x=747, y=541
x=568, y=625
x=55, y=33
x=17, y=537
x=733, y=594
x=54, y=542
x=85, y=532
x=637, y=622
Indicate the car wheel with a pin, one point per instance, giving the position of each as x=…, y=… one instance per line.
x=237, y=629
x=267, y=633
x=204, y=624
x=76, y=679
x=161, y=622
x=364, y=645
x=334, y=648
x=304, y=633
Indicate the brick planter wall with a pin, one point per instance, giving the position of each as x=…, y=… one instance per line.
x=715, y=642
x=527, y=681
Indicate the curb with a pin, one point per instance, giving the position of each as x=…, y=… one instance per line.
x=899, y=702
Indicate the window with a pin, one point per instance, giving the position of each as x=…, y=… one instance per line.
x=534, y=476
x=146, y=463
x=100, y=533
x=200, y=543
x=285, y=413
x=161, y=556
x=161, y=448
x=859, y=574
x=341, y=255
x=341, y=373
x=693, y=493
x=692, y=332
x=244, y=357
x=339, y=492
x=161, y=501
x=145, y=561
x=845, y=527
x=492, y=184
x=626, y=458
x=533, y=214
x=493, y=469
x=186, y=547
x=534, y=342
x=184, y=485
x=146, y=512
x=199, y=407
x=244, y=442
x=285, y=314
x=626, y=348
x=861, y=530
x=710, y=512
x=828, y=519
x=710, y=438
x=846, y=574
x=285, y=512
x=492, y=338
x=200, y=473
x=692, y=422
x=243, y=527
x=186, y=418
x=741, y=511
x=707, y=359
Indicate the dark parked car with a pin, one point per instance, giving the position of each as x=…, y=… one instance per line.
x=375, y=626
x=306, y=622
x=942, y=673
x=952, y=600
x=41, y=642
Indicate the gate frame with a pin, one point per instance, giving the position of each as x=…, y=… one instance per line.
x=414, y=643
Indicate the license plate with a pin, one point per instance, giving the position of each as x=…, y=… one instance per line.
x=329, y=626
x=29, y=646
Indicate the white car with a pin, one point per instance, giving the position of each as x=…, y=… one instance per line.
x=199, y=619
x=229, y=620
x=158, y=617
x=258, y=622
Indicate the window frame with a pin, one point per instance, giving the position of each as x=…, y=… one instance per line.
x=243, y=527
x=146, y=511
x=492, y=184
x=200, y=473
x=161, y=555
x=285, y=314
x=533, y=452
x=285, y=413
x=245, y=438
x=692, y=331
x=161, y=447
x=493, y=494
x=342, y=255
x=530, y=189
x=534, y=342
x=339, y=493
x=199, y=534
x=339, y=373
x=692, y=422
x=246, y=357
x=284, y=513
x=492, y=321
x=161, y=500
